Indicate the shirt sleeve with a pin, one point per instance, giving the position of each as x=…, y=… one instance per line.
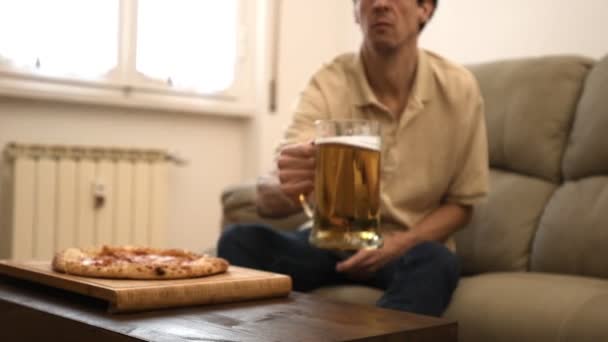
x=310, y=106
x=470, y=184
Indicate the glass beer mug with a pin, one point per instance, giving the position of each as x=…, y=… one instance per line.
x=346, y=214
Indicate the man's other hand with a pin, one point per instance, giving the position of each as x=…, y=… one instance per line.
x=364, y=263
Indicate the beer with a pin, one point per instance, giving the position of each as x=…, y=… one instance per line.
x=347, y=193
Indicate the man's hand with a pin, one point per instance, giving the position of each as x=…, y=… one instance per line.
x=296, y=169
x=363, y=264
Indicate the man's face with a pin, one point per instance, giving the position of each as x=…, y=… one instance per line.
x=388, y=24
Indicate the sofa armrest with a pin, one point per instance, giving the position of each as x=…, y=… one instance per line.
x=238, y=204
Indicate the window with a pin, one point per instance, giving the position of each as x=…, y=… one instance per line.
x=194, y=23
x=177, y=54
x=40, y=35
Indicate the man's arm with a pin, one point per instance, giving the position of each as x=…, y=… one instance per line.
x=440, y=224
x=437, y=226
x=277, y=194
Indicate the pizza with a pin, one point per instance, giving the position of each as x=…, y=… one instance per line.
x=128, y=262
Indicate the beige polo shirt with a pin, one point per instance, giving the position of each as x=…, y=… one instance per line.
x=436, y=152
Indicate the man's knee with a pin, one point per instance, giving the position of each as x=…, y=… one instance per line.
x=238, y=235
x=246, y=245
x=230, y=234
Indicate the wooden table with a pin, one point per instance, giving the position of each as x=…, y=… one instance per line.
x=32, y=312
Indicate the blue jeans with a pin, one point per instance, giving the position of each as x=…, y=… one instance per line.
x=420, y=281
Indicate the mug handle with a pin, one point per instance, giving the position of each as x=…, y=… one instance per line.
x=304, y=203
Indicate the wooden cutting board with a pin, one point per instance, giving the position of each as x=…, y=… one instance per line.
x=237, y=284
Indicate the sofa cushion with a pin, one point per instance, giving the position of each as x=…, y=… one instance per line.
x=587, y=152
x=525, y=306
x=530, y=104
x=501, y=231
x=573, y=233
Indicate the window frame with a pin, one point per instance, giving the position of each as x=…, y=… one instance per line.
x=123, y=86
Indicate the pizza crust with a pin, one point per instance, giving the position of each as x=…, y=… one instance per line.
x=137, y=263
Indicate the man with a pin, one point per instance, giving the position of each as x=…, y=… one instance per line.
x=434, y=165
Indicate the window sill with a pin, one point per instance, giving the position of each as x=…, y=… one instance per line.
x=120, y=96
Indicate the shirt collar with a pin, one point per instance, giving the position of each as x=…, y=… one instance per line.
x=421, y=90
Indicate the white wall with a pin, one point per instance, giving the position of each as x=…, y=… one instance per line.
x=213, y=146
x=312, y=33
x=471, y=31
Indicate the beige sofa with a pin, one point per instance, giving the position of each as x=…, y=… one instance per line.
x=535, y=256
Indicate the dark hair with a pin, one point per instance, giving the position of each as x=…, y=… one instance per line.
x=435, y=2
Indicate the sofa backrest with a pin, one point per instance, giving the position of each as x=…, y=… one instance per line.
x=530, y=107
x=573, y=233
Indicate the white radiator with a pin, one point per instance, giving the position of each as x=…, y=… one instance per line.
x=67, y=196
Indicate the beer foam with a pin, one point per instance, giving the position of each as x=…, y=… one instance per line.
x=364, y=141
